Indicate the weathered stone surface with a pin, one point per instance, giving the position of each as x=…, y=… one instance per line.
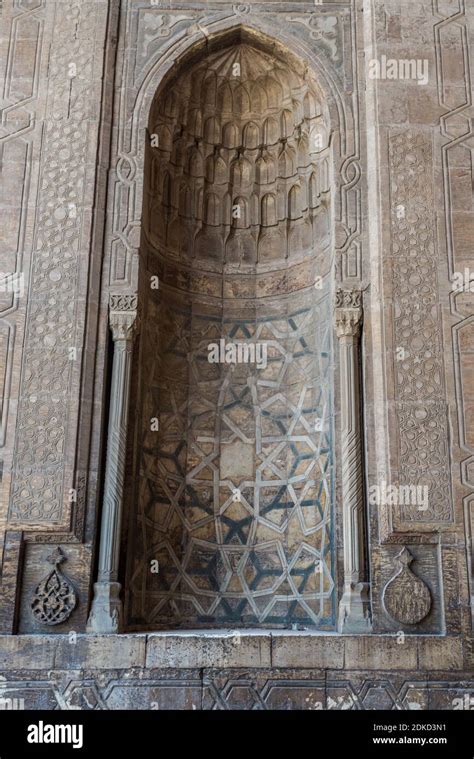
x=72, y=651
x=207, y=649
x=28, y=652
x=101, y=651
x=302, y=650
x=10, y=581
x=381, y=652
x=439, y=653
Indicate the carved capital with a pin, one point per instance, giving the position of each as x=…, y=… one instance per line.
x=123, y=315
x=348, y=312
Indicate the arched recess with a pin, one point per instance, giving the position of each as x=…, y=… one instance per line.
x=233, y=496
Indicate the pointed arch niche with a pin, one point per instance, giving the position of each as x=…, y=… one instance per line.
x=233, y=479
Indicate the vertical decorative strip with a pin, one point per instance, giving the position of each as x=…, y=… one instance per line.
x=419, y=372
x=54, y=329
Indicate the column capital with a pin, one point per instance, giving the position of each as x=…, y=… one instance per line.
x=123, y=315
x=348, y=312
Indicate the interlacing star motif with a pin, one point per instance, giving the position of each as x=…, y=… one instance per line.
x=249, y=545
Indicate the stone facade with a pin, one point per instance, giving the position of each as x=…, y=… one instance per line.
x=293, y=531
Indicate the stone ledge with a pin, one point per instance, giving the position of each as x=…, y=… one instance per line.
x=252, y=649
x=381, y=652
x=440, y=653
x=210, y=649
x=72, y=651
x=300, y=649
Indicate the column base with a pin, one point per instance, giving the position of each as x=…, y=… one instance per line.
x=354, y=609
x=106, y=613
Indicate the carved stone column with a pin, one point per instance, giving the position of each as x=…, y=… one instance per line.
x=354, y=607
x=106, y=611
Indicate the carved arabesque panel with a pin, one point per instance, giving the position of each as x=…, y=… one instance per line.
x=53, y=320
x=417, y=343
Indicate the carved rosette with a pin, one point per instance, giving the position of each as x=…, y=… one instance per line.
x=406, y=598
x=54, y=599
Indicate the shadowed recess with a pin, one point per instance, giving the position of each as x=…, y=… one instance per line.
x=233, y=493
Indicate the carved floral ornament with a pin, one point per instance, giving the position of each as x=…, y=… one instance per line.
x=54, y=599
x=163, y=24
x=323, y=29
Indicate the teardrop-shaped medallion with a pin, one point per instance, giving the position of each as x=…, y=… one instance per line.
x=54, y=598
x=406, y=597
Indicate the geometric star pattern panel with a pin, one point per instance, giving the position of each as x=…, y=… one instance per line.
x=236, y=484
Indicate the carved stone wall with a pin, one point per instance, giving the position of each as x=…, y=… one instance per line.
x=54, y=135
x=420, y=420
x=227, y=671
x=380, y=203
